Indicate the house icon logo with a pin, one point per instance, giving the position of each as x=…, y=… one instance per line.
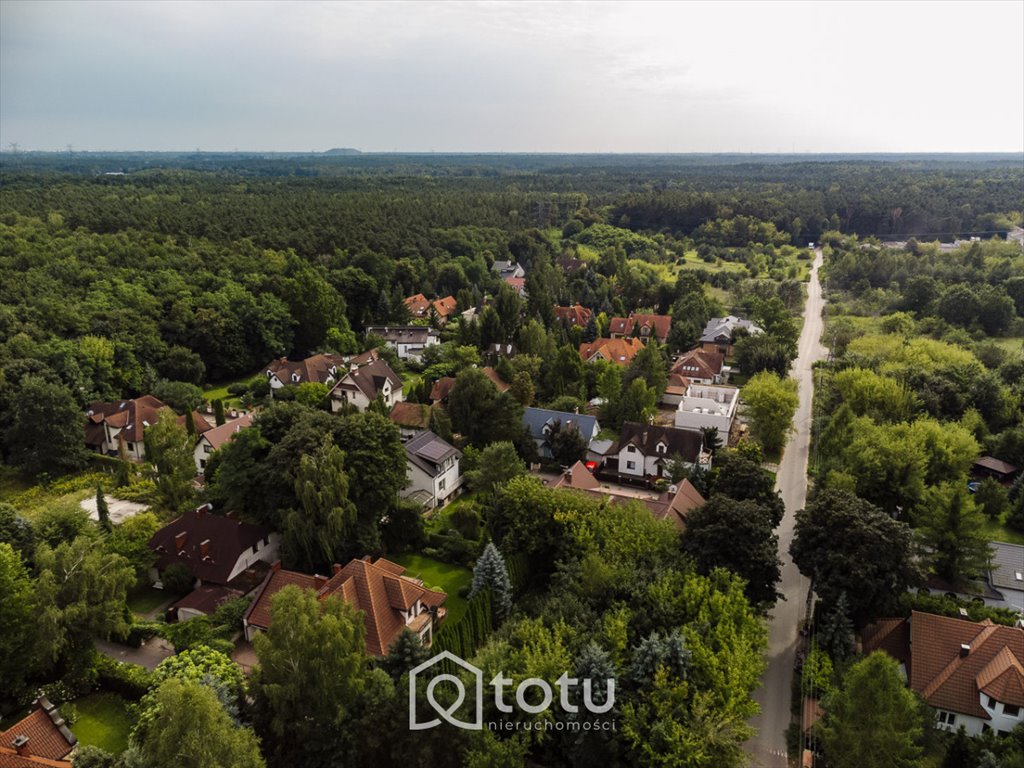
x=446, y=713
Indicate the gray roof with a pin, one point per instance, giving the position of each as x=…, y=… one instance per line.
x=722, y=327
x=428, y=451
x=369, y=379
x=404, y=334
x=536, y=419
x=1007, y=565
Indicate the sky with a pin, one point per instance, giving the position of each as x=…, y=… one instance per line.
x=513, y=76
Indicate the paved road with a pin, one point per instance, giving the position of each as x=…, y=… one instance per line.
x=768, y=747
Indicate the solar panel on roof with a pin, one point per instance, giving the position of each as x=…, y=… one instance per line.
x=434, y=451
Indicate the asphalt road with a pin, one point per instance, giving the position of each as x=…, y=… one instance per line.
x=768, y=747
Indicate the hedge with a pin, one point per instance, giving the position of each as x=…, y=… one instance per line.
x=469, y=633
x=129, y=680
x=140, y=631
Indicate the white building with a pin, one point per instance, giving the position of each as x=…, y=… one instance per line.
x=361, y=386
x=434, y=474
x=643, y=451
x=408, y=341
x=707, y=405
x=213, y=439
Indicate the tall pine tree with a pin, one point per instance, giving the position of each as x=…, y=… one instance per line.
x=491, y=573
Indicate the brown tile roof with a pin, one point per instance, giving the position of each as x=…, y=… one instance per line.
x=9, y=758
x=646, y=438
x=362, y=359
x=378, y=589
x=699, y=364
x=417, y=305
x=519, y=283
x=412, y=415
x=654, y=325
x=208, y=545
x=499, y=382
x=131, y=416
x=621, y=351
x=445, y=307
x=949, y=678
x=996, y=465
x=369, y=379
x=579, y=477
x=675, y=507
x=205, y=599
x=202, y=424
x=889, y=635
x=574, y=315
x=218, y=436
x=441, y=389
x=48, y=736
x=677, y=384
x=316, y=368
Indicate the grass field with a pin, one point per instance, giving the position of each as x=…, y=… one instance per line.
x=997, y=532
x=220, y=392
x=145, y=599
x=442, y=576
x=692, y=261
x=103, y=721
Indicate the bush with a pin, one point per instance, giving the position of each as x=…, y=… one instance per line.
x=140, y=490
x=129, y=680
x=950, y=606
x=177, y=580
x=141, y=631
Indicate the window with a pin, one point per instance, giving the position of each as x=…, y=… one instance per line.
x=991, y=703
x=1011, y=710
x=441, y=484
x=947, y=718
x=131, y=446
x=630, y=449
x=630, y=465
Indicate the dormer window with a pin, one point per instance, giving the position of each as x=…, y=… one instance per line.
x=630, y=449
x=296, y=377
x=661, y=448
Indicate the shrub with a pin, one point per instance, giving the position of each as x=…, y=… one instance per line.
x=177, y=579
x=129, y=680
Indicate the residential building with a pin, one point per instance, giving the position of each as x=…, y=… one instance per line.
x=212, y=439
x=644, y=327
x=202, y=601
x=389, y=600
x=718, y=333
x=411, y=418
x=216, y=549
x=319, y=369
x=443, y=386
x=361, y=386
x=408, y=341
x=109, y=425
x=708, y=405
x=41, y=738
x=643, y=450
x=518, y=284
x=619, y=351
x=541, y=422
x=701, y=366
x=500, y=349
x=576, y=315
x=508, y=269
x=1007, y=575
x=433, y=465
x=419, y=307
x=971, y=673
x=355, y=361
x=989, y=466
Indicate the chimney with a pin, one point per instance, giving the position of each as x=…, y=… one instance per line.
x=276, y=566
x=202, y=510
x=204, y=549
x=179, y=541
x=20, y=745
x=965, y=650
x=335, y=569
x=319, y=581
x=232, y=515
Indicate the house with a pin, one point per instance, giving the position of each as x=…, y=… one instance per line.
x=419, y=307
x=320, y=369
x=718, y=333
x=972, y=673
x=355, y=361
x=443, y=386
x=642, y=451
x=575, y=315
x=433, y=465
x=1007, y=575
x=389, y=600
x=541, y=421
x=216, y=549
x=707, y=405
x=570, y=264
x=672, y=505
x=108, y=425
x=701, y=366
x=212, y=439
x=200, y=421
x=41, y=738
x=408, y=341
x=620, y=351
x=644, y=327
x=202, y=601
x=410, y=418
x=518, y=284
x=508, y=269
x=361, y=386
x=989, y=466
x=500, y=349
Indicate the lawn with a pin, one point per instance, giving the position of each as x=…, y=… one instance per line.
x=103, y=721
x=995, y=532
x=145, y=599
x=221, y=392
x=448, y=578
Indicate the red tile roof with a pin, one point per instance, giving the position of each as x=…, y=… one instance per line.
x=205, y=599
x=441, y=389
x=699, y=364
x=378, y=589
x=574, y=315
x=621, y=351
x=130, y=416
x=641, y=325
x=9, y=758
x=218, y=436
x=578, y=477
x=48, y=736
x=944, y=674
x=419, y=306
x=675, y=507
x=499, y=382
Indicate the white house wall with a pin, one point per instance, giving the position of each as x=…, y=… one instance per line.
x=265, y=552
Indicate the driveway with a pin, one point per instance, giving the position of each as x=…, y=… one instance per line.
x=768, y=747
x=148, y=655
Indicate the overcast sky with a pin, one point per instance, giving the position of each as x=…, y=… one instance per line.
x=513, y=77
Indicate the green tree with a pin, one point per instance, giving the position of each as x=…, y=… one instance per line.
x=312, y=676
x=637, y=403
x=81, y=591
x=490, y=572
x=992, y=499
x=218, y=411
x=480, y=413
x=849, y=546
x=522, y=389
x=184, y=725
x=102, y=510
x=320, y=533
x=952, y=532
x=873, y=719
x=44, y=431
x=169, y=453
x=179, y=395
x=566, y=444
x=406, y=652
x=16, y=531
x=312, y=394
x=771, y=404
x=493, y=467
x=18, y=618
x=651, y=366
x=130, y=539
